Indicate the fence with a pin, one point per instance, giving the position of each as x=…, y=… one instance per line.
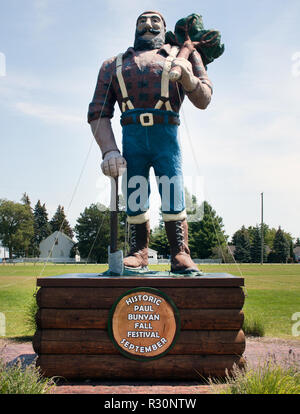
x=59, y=260
x=203, y=261
x=44, y=260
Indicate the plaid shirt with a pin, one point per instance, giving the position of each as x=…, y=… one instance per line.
x=142, y=72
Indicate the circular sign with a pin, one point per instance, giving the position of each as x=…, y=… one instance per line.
x=144, y=323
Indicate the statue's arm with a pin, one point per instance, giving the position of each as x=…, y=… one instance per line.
x=194, y=80
x=201, y=96
x=104, y=136
x=113, y=163
x=101, y=110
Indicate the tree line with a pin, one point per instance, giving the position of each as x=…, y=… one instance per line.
x=23, y=227
x=261, y=243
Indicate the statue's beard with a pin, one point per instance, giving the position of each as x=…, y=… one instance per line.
x=149, y=44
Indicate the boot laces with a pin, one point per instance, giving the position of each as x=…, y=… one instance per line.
x=133, y=238
x=179, y=233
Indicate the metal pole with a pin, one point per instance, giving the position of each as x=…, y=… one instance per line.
x=262, y=229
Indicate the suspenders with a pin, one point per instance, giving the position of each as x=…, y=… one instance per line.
x=126, y=100
x=164, y=95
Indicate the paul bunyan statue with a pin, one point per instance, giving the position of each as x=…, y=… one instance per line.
x=149, y=81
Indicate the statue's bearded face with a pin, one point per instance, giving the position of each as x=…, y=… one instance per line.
x=150, y=32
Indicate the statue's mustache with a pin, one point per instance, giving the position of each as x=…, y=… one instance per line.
x=150, y=30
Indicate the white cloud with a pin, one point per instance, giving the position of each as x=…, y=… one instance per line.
x=49, y=113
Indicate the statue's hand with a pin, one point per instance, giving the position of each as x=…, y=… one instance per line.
x=188, y=80
x=113, y=164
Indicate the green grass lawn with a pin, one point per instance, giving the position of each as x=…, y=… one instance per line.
x=273, y=292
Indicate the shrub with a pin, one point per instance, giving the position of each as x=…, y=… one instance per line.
x=15, y=379
x=253, y=326
x=269, y=378
x=29, y=315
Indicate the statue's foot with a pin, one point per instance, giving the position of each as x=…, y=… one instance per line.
x=183, y=263
x=136, y=261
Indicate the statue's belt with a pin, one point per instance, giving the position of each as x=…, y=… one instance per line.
x=149, y=119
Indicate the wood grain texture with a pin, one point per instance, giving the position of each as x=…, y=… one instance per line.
x=188, y=367
x=104, y=298
x=74, y=341
x=219, y=319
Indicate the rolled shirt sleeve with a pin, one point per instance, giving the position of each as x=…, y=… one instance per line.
x=199, y=69
x=104, y=98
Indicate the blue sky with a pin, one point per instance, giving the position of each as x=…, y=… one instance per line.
x=245, y=143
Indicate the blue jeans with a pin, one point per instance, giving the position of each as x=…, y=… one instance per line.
x=154, y=146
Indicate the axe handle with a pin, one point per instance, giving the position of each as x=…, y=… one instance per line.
x=185, y=51
x=114, y=214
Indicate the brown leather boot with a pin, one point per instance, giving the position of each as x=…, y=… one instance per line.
x=139, y=241
x=177, y=233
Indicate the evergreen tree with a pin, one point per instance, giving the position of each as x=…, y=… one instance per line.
x=291, y=258
x=297, y=243
x=241, y=240
x=25, y=200
x=255, y=250
x=159, y=241
x=206, y=233
x=93, y=232
x=269, y=235
x=281, y=247
x=59, y=222
x=158, y=238
x=42, y=227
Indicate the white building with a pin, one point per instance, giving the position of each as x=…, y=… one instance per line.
x=57, y=247
x=4, y=253
x=152, y=256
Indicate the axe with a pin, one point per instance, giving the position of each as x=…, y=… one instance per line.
x=115, y=257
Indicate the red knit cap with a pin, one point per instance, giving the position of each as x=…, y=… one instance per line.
x=152, y=12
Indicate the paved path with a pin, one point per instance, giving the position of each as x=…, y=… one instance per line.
x=257, y=350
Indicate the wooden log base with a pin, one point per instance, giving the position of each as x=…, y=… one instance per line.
x=194, y=319
x=83, y=341
x=104, y=298
x=188, y=367
x=75, y=321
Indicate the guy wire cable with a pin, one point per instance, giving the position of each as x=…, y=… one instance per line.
x=199, y=170
x=79, y=179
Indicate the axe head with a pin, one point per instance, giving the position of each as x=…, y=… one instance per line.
x=115, y=262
